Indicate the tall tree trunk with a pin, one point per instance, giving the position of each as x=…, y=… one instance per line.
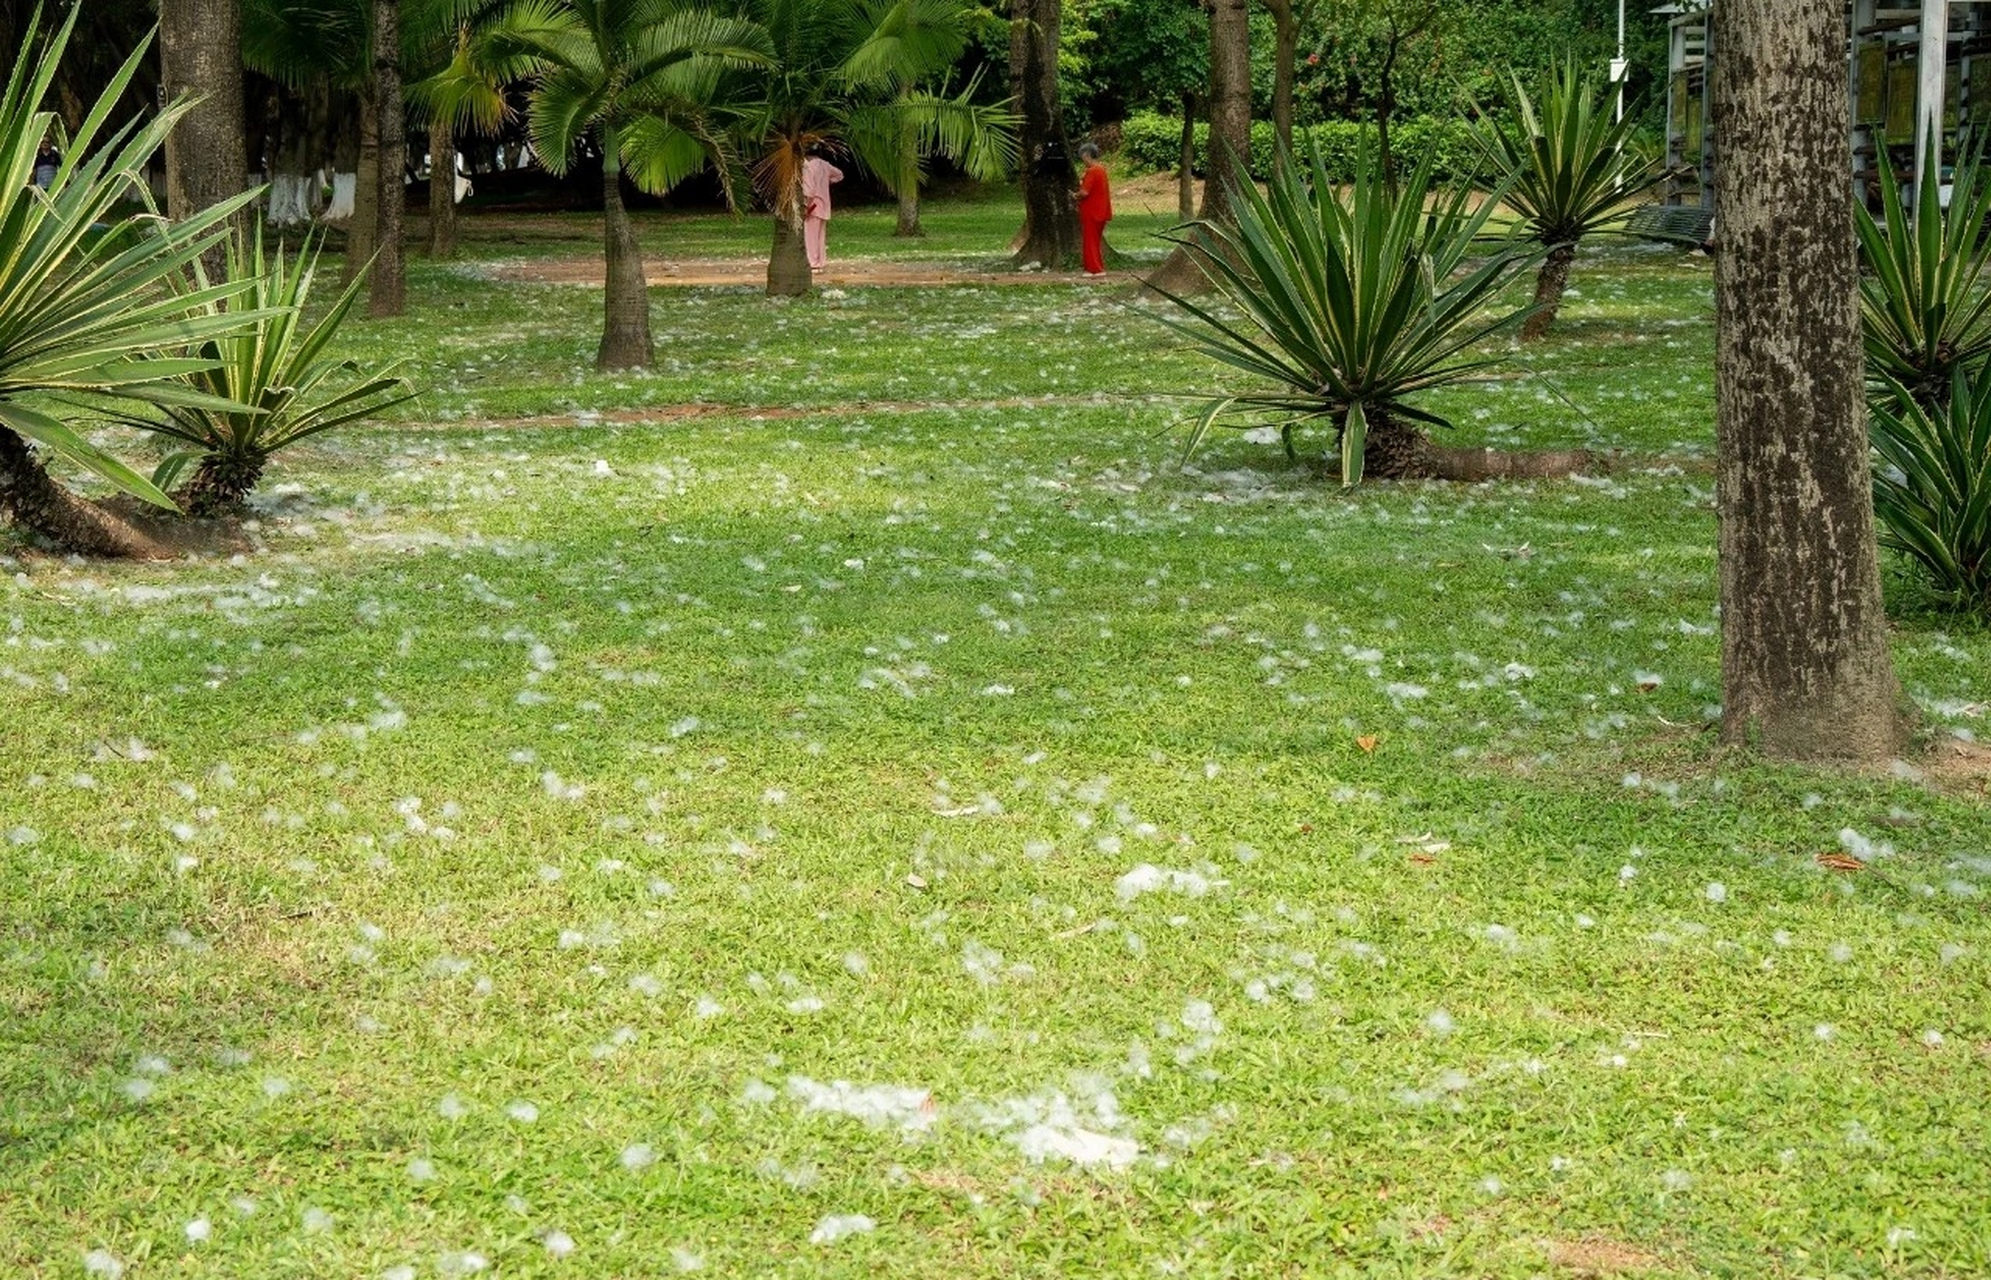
x=388, y=290
x=788, y=274
x=29, y=498
x=1050, y=217
x=625, y=329
x=200, y=57
x=909, y=212
x=1230, y=136
x=1185, y=169
x=1550, y=281
x=1805, y=667
x=363, y=228
x=442, y=188
x=1285, y=51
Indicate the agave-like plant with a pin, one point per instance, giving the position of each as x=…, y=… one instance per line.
x=275, y=373
x=1349, y=302
x=1932, y=484
x=89, y=313
x=1925, y=297
x=1569, y=171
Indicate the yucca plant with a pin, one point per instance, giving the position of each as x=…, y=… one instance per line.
x=1932, y=484
x=276, y=371
x=84, y=313
x=1568, y=171
x=1349, y=303
x=1925, y=299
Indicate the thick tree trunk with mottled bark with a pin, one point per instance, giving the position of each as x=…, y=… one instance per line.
x=1550, y=281
x=1050, y=210
x=1805, y=667
x=1285, y=50
x=387, y=293
x=200, y=58
x=625, y=330
x=1230, y=137
x=32, y=500
x=442, y=188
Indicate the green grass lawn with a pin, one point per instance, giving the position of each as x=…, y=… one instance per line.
x=899, y=822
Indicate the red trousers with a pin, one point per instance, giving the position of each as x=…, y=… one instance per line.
x=1092, y=244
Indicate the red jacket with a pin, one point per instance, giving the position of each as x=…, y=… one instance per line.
x=1095, y=201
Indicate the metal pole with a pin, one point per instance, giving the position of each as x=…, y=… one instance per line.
x=1930, y=87
x=1618, y=64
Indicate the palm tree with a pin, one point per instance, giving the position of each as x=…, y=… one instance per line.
x=636, y=75
x=845, y=75
x=1568, y=174
x=464, y=88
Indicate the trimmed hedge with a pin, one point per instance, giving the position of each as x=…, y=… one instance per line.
x=1154, y=141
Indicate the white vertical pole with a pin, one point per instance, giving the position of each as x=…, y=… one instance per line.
x=1931, y=85
x=1618, y=64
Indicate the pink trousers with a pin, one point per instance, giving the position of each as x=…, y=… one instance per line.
x=816, y=237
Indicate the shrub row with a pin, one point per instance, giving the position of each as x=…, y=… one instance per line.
x=1154, y=141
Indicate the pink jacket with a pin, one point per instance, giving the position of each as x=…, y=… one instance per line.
x=817, y=175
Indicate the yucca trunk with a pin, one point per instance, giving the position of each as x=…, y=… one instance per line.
x=221, y=483
x=788, y=274
x=1549, y=286
x=32, y=500
x=442, y=188
x=625, y=332
x=1395, y=450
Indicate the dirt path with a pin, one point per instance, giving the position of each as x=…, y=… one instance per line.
x=854, y=272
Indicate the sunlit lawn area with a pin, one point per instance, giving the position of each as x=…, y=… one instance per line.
x=848, y=802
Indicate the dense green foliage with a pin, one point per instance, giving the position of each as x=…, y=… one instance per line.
x=1353, y=301
x=1153, y=141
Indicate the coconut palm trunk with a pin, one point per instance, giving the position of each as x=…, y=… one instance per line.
x=788, y=273
x=363, y=228
x=909, y=212
x=1549, y=286
x=625, y=332
x=199, y=59
x=442, y=187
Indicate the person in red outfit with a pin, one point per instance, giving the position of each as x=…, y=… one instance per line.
x=1095, y=210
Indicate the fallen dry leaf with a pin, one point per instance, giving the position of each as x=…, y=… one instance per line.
x=1368, y=743
x=1422, y=859
x=1839, y=862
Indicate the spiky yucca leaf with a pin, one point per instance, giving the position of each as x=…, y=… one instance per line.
x=1932, y=485
x=276, y=369
x=85, y=313
x=1348, y=303
x=1925, y=299
x=1569, y=169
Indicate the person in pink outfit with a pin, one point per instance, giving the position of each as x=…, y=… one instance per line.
x=817, y=175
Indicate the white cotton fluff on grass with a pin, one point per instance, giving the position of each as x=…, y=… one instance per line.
x=879, y=1106
x=1148, y=878
x=837, y=1226
x=1042, y=1142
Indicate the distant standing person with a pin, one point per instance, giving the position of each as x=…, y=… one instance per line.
x=47, y=161
x=1095, y=210
x=817, y=175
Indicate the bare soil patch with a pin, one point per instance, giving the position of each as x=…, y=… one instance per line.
x=1600, y=1257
